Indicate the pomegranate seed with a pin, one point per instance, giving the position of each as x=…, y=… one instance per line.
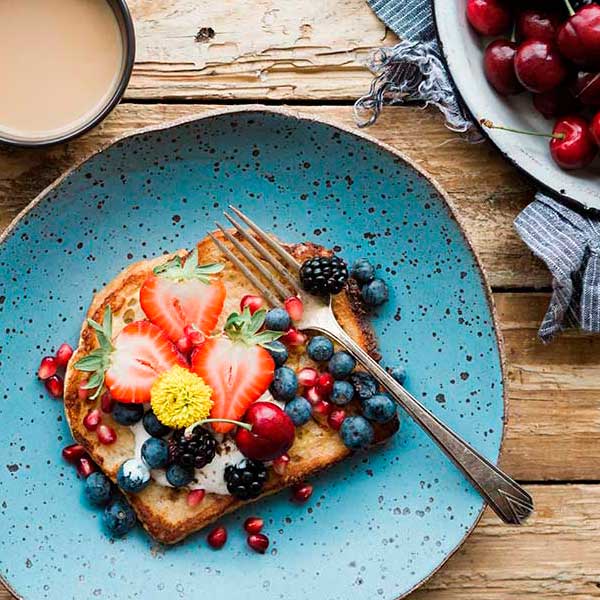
x=336, y=418
x=55, y=386
x=302, y=492
x=280, y=464
x=106, y=435
x=308, y=377
x=293, y=337
x=259, y=542
x=85, y=466
x=107, y=403
x=73, y=453
x=313, y=395
x=63, y=355
x=195, y=497
x=253, y=303
x=47, y=367
x=217, y=537
x=184, y=345
x=194, y=335
x=82, y=393
x=253, y=524
x=322, y=408
x=92, y=420
x=294, y=307
x=325, y=384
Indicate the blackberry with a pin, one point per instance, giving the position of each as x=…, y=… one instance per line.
x=192, y=451
x=246, y=479
x=324, y=275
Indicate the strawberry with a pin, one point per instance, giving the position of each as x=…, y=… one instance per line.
x=179, y=294
x=129, y=364
x=237, y=366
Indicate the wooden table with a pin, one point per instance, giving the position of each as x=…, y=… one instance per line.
x=311, y=55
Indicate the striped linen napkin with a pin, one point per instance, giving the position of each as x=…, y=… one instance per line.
x=566, y=239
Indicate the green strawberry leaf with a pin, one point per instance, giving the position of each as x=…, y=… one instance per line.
x=180, y=270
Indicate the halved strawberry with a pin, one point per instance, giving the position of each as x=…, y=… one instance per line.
x=238, y=366
x=179, y=294
x=129, y=364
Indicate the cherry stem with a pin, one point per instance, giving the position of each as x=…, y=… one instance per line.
x=569, y=8
x=513, y=33
x=490, y=125
x=246, y=426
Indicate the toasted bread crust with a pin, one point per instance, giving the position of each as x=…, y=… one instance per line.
x=164, y=511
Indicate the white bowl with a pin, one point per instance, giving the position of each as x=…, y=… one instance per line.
x=462, y=49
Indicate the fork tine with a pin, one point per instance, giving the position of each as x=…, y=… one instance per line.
x=266, y=293
x=289, y=259
x=281, y=270
x=281, y=290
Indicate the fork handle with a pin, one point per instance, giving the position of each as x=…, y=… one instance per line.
x=507, y=498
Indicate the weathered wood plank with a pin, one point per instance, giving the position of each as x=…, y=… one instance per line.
x=487, y=191
x=258, y=50
x=553, y=557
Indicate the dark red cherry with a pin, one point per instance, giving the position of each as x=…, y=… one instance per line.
x=537, y=24
x=579, y=37
x=572, y=145
x=488, y=17
x=539, y=66
x=595, y=128
x=555, y=103
x=499, y=67
x=586, y=88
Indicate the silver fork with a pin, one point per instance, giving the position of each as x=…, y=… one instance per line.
x=508, y=499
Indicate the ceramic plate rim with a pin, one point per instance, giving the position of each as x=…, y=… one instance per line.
x=301, y=115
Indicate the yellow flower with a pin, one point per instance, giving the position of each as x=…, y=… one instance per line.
x=179, y=398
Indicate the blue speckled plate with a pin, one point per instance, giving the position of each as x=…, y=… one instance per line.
x=377, y=525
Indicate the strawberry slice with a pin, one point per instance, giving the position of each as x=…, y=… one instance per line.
x=180, y=294
x=238, y=366
x=129, y=364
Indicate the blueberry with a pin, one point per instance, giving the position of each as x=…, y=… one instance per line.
x=363, y=271
x=375, y=292
x=364, y=385
x=341, y=364
x=320, y=348
x=133, y=476
x=119, y=517
x=153, y=426
x=155, y=453
x=356, y=432
x=284, y=384
x=277, y=319
x=299, y=411
x=127, y=414
x=398, y=373
x=279, y=352
x=342, y=393
x=179, y=476
x=98, y=489
x=379, y=408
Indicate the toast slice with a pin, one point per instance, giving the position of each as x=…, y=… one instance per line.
x=164, y=511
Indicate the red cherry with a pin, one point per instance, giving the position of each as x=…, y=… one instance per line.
x=499, y=67
x=272, y=432
x=576, y=148
x=488, y=17
x=595, y=128
x=92, y=419
x=586, y=88
x=63, y=354
x=555, y=103
x=47, y=367
x=73, y=453
x=539, y=66
x=55, y=386
x=302, y=492
x=217, y=537
x=579, y=37
x=294, y=307
x=538, y=24
x=259, y=542
x=254, y=303
x=195, y=497
x=253, y=524
x=85, y=466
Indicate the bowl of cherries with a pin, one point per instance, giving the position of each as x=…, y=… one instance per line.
x=528, y=71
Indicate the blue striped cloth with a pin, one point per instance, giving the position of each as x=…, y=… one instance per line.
x=566, y=239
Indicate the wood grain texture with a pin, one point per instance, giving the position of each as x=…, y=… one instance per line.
x=487, y=191
x=553, y=557
x=264, y=49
